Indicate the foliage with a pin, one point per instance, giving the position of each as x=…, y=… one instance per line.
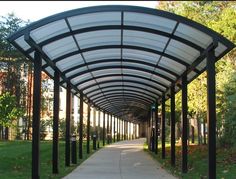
x=219, y=16
x=9, y=111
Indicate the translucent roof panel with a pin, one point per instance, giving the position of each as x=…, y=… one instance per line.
x=70, y=62
x=21, y=42
x=147, y=20
x=129, y=50
x=140, y=55
x=49, y=30
x=95, y=19
x=194, y=35
x=102, y=54
x=97, y=38
x=60, y=47
x=144, y=39
x=172, y=65
x=182, y=51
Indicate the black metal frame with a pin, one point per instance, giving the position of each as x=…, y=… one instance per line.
x=121, y=9
x=112, y=103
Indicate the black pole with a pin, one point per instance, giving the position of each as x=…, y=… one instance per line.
x=108, y=129
x=153, y=132
x=68, y=115
x=163, y=130
x=114, y=129
x=94, y=130
x=88, y=130
x=117, y=129
x=55, y=123
x=73, y=150
x=103, y=130
x=36, y=116
x=81, y=111
x=111, y=129
x=98, y=131
x=192, y=132
x=211, y=114
x=184, y=125
x=156, y=129
x=172, y=106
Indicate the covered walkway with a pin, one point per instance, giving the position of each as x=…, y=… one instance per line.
x=121, y=160
x=125, y=62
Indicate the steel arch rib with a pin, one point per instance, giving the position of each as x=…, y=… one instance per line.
x=129, y=86
x=123, y=92
x=122, y=95
x=122, y=75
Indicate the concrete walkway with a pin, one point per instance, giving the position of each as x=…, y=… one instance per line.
x=121, y=160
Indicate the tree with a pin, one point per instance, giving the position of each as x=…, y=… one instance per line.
x=219, y=16
x=9, y=111
x=13, y=65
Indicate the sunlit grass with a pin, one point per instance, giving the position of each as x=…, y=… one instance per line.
x=15, y=159
x=198, y=162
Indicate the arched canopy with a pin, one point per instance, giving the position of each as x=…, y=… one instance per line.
x=120, y=57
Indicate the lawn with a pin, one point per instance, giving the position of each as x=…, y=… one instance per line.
x=198, y=163
x=15, y=159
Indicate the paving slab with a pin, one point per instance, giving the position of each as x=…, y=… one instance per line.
x=121, y=160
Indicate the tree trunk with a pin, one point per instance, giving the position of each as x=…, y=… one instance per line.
x=204, y=131
x=6, y=133
x=30, y=78
x=199, y=136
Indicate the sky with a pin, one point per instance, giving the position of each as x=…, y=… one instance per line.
x=35, y=10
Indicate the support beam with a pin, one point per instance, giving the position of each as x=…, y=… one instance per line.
x=68, y=117
x=211, y=114
x=88, y=129
x=172, y=127
x=55, y=123
x=184, y=125
x=103, y=130
x=98, y=130
x=36, y=116
x=111, y=128
x=152, y=131
x=163, y=128
x=94, y=130
x=122, y=129
x=156, y=129
x=114, y=129
x=81, y=111
x=117, y=129
x=108, y=130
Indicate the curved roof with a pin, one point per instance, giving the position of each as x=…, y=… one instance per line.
x=122, y=58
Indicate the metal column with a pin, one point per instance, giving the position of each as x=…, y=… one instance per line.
x=98, y=130
x=94, y=130
x=117, y=129
x=184, y=125
x=114, y=128
x=88, y=130
x=111, y=129
x=163, y=130
x=211, y=114
x=36, y=115
x=108, y=133
x=68, y=116
x=55, y=123
x=81, y=111
x=103, y=130
x=156, y=129
x=172, y=127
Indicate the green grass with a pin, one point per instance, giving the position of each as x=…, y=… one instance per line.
x=198, y=162
x=15, y=159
